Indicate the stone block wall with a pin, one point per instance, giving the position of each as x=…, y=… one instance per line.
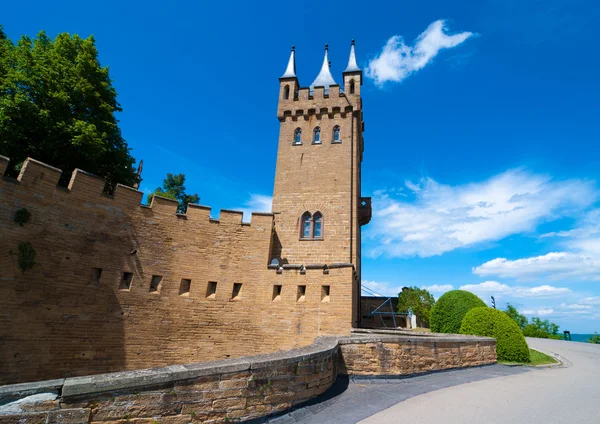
x=71, y=315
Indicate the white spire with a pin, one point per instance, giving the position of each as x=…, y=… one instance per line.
x=290, y=71
x=324, y=79
x=352, y=66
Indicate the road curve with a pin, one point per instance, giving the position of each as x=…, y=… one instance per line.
x=567, y=394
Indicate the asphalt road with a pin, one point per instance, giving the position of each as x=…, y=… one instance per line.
x=567, y=394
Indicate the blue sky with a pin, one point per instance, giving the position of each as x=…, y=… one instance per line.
x=482, y=132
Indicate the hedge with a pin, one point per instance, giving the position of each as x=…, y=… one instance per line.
x=510, y=342
x=448, y=312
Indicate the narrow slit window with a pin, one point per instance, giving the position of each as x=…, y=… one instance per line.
x=336, y=134
x=96, y=274
x=301, y=297
x=184, y=287
x=155, y=283
x=298, y=136
x=211, y=290
x=286, y=92
x=317, y=225
x=306, y=225
x=237, y=290
x=276, y=292
x=126, y=280
x=324, y=293
x=351, y=86
x=317, y=136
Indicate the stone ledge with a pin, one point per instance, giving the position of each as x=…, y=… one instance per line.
x=14, y=391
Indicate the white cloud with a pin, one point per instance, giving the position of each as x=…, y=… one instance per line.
x=495, y=288
x=438, y=218
x=555, y=265
x=576, y=306
x=374, y=288
x=256, y=203
x=397, y=60
x=436, y=288
x=595, y=300
x=545, y=312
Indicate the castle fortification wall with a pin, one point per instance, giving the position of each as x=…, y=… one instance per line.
x=73, y=312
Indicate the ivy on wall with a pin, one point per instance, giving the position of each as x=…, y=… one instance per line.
x=22, y=217
x=26, y=256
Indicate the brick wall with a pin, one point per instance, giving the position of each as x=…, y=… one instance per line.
x=60, y=319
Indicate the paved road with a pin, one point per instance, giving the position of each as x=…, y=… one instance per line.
x=569, y=394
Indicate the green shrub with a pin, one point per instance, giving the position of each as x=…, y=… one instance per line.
x=26, y=256
x=448, y=312
x=510, y=342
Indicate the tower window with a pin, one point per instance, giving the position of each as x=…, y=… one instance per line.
x=317, y=136
x=311, y=226
x=351, y=86
x=298, y=136
x=317, y=225
x=336, y=134
x=286, y=92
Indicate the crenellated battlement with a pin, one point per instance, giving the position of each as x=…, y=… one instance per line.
x=319, y=103
x=41, y=181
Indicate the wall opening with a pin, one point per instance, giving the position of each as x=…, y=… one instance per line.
x=155, y=283
x=126, y=280
x=276, y=292
x=301, y=296
x=237, y=290
x=96, y=274
x=211, y=290
x=184, y=287
x=324, y=293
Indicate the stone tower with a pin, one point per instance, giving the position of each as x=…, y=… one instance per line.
x=317, y=199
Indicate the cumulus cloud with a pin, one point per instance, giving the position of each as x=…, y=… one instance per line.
x=494, y=288
x=375, y=288
x=437, y=218
x=396, y=61
x=545, y=312
x=436, y=288
x=256, y=203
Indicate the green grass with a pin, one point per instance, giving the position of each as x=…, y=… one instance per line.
x=536, y=358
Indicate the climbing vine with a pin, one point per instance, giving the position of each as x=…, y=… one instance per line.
x=26, y=256
x=22, y=217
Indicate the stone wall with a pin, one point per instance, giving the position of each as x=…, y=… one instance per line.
x=72, y=315
x=388, y=355
x=235, y=390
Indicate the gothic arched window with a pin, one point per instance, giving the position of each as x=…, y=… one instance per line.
x=351, y=86
x=306, y=224
x=286, y=92
x=336, y=134
x=317, y=136
x=298, y=136
x=317, y=225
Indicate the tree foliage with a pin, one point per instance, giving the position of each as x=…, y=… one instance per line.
x=449, y=310
x=595, y=339
x=489, y=322
x=420, y=301
x=514, y=314
x=57, y=105
x=173, y=188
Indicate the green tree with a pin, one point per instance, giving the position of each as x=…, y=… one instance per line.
x=418, y=300
x=520, y=319
x=173, y=188
x=57, y=105
x=595, y=339
x=542, y=329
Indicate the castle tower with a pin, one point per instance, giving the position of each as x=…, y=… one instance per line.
x=317, y=196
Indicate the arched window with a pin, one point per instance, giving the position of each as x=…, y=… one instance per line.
x=286, y=92
x=317, y=135
x=306, y=224
x=336, y=134
x=351, y=86
x=298, y=136
x=317, y=225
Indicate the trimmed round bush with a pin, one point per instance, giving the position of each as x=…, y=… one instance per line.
x=510, y=342
x=448, y=312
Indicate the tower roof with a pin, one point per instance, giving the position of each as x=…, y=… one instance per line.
x=290, y=71
x=324, y=79
x=352, y=66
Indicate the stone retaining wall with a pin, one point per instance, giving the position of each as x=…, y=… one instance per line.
x=234, y=390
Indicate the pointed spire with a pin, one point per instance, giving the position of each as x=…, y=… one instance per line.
x=352, y=66
x=324, y=79
x=290, y=71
